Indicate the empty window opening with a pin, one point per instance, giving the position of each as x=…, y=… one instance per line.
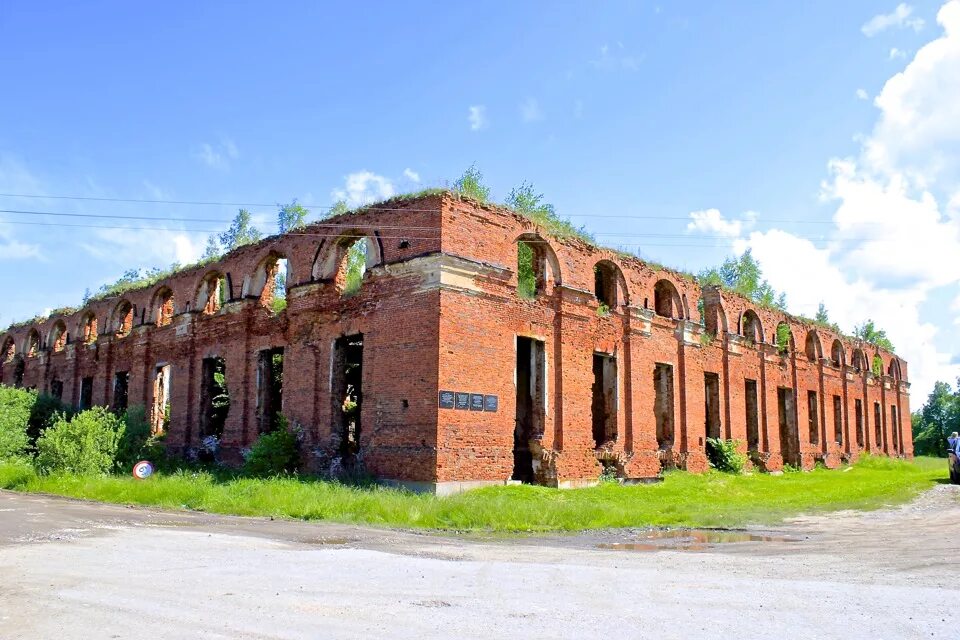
x=33, y=343
x=274, y=271
x=353, y=267
x=604, y=404
x=164, y=307
x=813, y=417
x=859, y=361
x=86, y=393
x=56, y=388
x=753, y=415
x=531, y=269
x=812, y=347
x=8, y=351
x=89, y=329
x=663, y=403
x=789, y=437
x=121, y=390
x=876, y=366
x=531, y=404
x=858, y=418
x=347, y=395
x=711, y=404
x=160, y=412
x=214, y=397
x=605, y=284
x=894, y=428
x=269, y=388
x=836, y=354
x=123, y=319
x=58, y=340
x=751, y=327
x=837, y=420
x=784, y=339
x=213, y=293
x=666, y=300
x=877, y=427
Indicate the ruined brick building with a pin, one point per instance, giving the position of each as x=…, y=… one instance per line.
x=437, y=374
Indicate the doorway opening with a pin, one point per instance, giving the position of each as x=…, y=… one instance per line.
x=214, y=398
x=121, y=390
x=813, y=417
x=711, y=404
x=753, y=415
x=877, y=427
x=789, y=438
x=86, y=393
x=604, y=404
x=663, y=403
x=347, y=396
x=269, y=388
x=531, y=404
x=858, y=414
x=160, y=415
x=837, y=420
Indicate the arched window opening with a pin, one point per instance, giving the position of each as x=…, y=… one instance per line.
x=353, y=267
x=88, y=328
x=163, y=307
x=876, y=366
x=751, y=327
x=894, y=369
x=531, y=268
x=605, y=285
x=58, y=337
x=212, y=294
x=8, y=352
x=33, y=343
x=714, y=317
x=666, y=300
x=271, y=279
x=123, y=319
x=859, y=360
x=836, y=354
x=784, y=339
x=812, y=347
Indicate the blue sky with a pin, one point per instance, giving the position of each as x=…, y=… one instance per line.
x=777, y=126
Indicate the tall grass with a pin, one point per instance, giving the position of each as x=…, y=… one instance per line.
x=682, y=499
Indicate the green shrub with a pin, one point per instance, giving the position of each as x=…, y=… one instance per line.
x=85, y=444
x=723, y=455
x=42, y=414
x=15, y=407
x=132, y=444
x=273, y=453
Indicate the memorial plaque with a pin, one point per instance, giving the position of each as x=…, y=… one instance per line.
x=447, y=399
x=476, y=402
x=491, y=403
x=462, y=401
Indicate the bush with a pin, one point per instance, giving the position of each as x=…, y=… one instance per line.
x=85, y=444
x=273, y=453
x=723, y=455
x=42, y=414
x=15, y=407
x=133, y=442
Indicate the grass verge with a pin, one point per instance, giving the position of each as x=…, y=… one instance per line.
x=681, y=500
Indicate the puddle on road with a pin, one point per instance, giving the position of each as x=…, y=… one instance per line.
x=690, y=540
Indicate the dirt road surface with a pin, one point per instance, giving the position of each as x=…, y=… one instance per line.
x=71, y=569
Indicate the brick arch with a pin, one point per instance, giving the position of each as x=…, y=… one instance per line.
x=751, y=327
x=87, y=328
x=8, y=350
x=59, y=337
x=32, y=344
x=162, y=306
x=544, y=256
x=208, y=294
x=122, y=318
x=812, y=347
x=666, y=299
x=894, y=369
x=859, y=360
x=330, y=255
x=618, y=282
x=791, y=343
x=838, y=354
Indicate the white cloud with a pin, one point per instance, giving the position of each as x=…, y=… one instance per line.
x=862, y=94
x=13, y=249
x=615, y=57
x=897, y=54
x=364, y=187
x=712, y=221
x=899, y=18
x=136, y=247
x=218, y=156
x=530, y=110
x=895, y=236
x=411, y=175
x=477, y=117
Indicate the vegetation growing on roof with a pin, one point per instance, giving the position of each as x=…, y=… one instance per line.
x=744, y=276
x=869, y=333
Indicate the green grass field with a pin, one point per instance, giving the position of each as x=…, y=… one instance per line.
x=681, y=500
